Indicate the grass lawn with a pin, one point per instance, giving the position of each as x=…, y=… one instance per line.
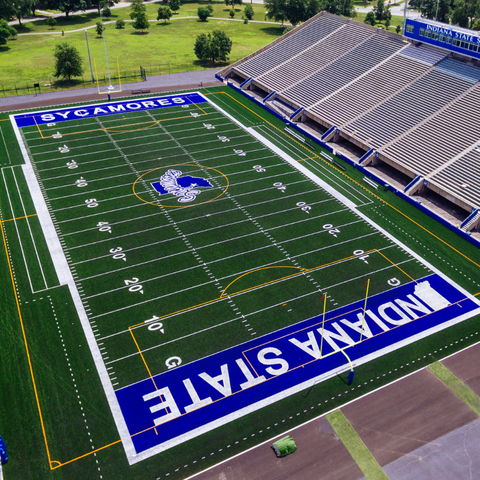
x=88, y=19
x=30, y=58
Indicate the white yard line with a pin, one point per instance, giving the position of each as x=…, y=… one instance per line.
x=30, y=231
x=18, y=233
x=65, y=278
x=6, y=149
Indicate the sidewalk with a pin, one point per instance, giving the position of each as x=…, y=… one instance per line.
x=158, y=83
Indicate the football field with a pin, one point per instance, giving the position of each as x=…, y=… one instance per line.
x=214, y=271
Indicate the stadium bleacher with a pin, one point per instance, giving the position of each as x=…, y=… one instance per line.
x=414, y=105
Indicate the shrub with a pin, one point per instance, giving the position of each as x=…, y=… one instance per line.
x=248, y=12
x=51, y=22
x=119, y=24
x=203, y=13
x=99, y=29
x=106, y=12
x=232, y=12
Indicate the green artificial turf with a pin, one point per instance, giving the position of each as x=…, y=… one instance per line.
x=59, y=355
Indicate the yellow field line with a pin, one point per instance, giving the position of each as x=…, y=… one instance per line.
x=41, y=134
x=19, y=218
x=143, y=358
x=50, y=461
x=85, y=455
x=395, y=265
x=361, y=186
x=26, y=345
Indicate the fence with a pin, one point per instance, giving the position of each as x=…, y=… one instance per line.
x=126, y=77
x=76, y=83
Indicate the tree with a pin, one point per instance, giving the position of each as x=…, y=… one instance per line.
x=232, y=12
x=119, y=24
x=99, y=28
x=101, y=4
x=68, y=62
x=174, y=5
x=210, y=9
x=465, y=12
x=6, y=31
x=69, y=6
x=7, y=12
x=233, y=2
x=51, y=22
x=381, y=10
x=140, y=22
x=106, y=12
x=214, y=46
x=388, y=20
x=370, y=18
x=339, y=7
x=23, y=8
x=276, y=10
x=398, y=28
x=248, y=12
x=164, y=13
x=203, y=13
x=202, y=46
x=137, y=8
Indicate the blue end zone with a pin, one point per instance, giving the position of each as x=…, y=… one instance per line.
x=198, y=397
x=100, y=110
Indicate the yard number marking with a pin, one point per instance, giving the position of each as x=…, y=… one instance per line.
x=331, y=230
x=57, y=135
x=223, y=138
x=258, y=168
x=280, y=186
x=304, y=207
x=208, y=126
x=194, y=114
x=134, y=285
x=240, y=153
x=104, y=227
x=64, y=149
x=359, y=254
x=71, y=165
x=155, y=326
x=91, y=202
x=119, y=256
x=81, y=182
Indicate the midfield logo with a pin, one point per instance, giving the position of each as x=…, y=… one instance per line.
x=186, y=187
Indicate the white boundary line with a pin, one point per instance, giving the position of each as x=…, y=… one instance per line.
x=65, y=277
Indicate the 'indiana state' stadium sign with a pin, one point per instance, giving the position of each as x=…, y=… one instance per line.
x=189, y=400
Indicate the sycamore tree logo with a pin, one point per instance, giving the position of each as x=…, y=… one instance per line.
x=186, y=187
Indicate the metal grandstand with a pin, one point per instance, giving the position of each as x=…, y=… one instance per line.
x=412, y=106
